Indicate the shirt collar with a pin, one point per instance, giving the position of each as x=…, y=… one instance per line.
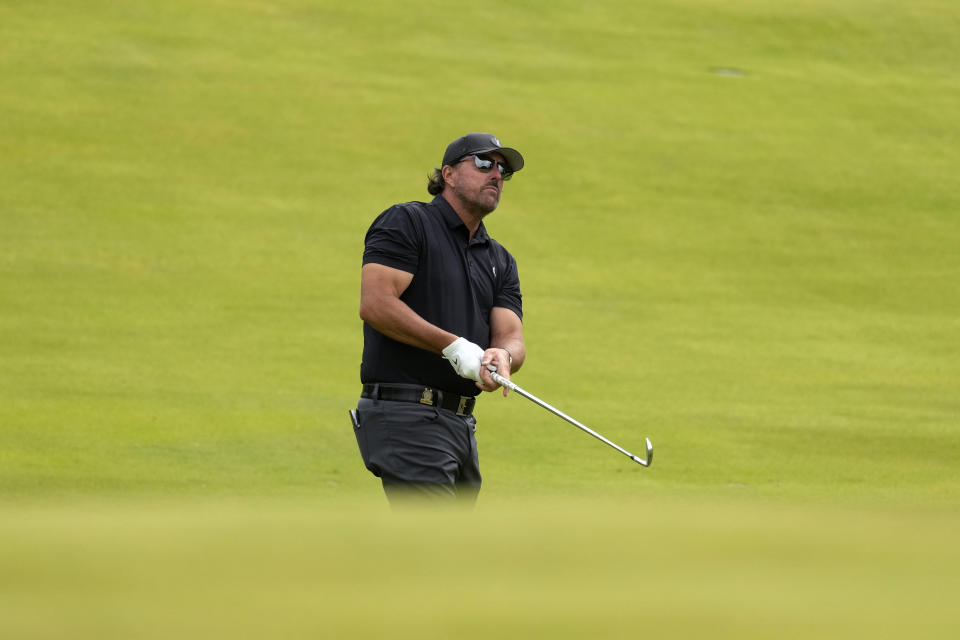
x=453, y=220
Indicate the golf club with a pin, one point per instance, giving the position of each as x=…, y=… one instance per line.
x=503, y=382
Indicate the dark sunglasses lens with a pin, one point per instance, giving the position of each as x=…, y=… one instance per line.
x=483, y=163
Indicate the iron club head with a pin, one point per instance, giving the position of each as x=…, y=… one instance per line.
x=649, y=459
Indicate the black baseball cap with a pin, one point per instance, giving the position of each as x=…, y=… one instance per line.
x=474, y=143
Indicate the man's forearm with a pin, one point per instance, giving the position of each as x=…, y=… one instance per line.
x=506, y=333
x=395, y=319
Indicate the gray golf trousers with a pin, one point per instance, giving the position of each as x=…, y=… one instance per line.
x=419, y=451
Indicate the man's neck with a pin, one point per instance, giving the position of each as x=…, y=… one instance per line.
x=470, y=216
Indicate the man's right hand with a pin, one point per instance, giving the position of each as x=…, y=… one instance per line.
x=464, y=357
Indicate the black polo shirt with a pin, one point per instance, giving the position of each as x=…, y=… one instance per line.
x=456, y=282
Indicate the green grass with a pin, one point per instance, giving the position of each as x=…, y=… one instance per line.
x=756, y=270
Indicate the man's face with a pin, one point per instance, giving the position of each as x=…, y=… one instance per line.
x=476, y=188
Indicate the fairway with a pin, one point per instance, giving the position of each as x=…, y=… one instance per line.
x=738, y=234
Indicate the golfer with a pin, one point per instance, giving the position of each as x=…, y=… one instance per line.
x=440, y=302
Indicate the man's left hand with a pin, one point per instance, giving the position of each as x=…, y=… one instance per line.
x=499, y=358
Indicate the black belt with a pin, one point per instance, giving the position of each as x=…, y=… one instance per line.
x=460, y=405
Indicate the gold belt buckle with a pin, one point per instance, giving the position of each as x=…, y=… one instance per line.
x=462, y=407
x=427, y=397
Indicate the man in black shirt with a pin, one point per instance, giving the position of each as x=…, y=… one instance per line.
x=440, y=300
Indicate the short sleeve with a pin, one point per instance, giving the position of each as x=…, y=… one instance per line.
x=394, y=240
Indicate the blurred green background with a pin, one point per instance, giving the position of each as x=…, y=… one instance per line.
x=738, y=234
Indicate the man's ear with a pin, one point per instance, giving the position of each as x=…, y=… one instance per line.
x=448, y=173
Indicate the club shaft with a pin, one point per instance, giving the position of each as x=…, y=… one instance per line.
x=503, y=382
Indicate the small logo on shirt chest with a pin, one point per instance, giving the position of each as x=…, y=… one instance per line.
x=494, y=271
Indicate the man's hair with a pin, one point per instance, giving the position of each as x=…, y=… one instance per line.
x=435, y=182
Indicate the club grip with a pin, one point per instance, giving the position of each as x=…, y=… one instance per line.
x=499, y=379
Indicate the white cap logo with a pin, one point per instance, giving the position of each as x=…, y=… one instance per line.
x=495, y=141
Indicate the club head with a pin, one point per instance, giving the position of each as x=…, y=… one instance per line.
x=649, y=459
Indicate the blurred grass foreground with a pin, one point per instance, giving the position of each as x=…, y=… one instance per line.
x=551, y=569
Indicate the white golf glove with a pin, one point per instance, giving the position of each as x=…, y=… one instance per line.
x=464, y=357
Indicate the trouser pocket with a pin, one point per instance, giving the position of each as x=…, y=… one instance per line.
x=356, y=418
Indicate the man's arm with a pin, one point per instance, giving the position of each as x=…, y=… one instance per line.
x=507, y=350
x=381, y=307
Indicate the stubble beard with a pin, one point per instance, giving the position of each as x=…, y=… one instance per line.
x=481, y=203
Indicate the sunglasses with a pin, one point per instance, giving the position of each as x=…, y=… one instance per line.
x=485, y=164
